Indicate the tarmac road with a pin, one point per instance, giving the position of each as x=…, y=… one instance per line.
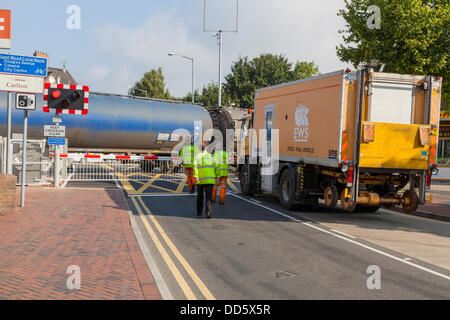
x=253, y=249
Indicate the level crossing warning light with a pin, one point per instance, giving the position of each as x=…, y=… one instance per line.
x=69, y=99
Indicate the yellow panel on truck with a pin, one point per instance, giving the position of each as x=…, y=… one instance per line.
x=394, y=146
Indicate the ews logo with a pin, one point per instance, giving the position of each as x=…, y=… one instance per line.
x=301, y=131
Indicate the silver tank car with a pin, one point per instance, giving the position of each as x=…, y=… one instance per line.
x=114, y=122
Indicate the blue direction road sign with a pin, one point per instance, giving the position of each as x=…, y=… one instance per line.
x=23, y=65
x=56, y=141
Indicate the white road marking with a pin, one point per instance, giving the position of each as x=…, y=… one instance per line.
x=163, y=195
x=309, y=224
x=154, y=270
x=344, y=234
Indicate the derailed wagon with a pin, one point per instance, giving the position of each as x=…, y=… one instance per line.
x=363, y=138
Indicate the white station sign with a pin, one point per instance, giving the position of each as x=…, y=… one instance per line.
x=54, y=131
x=26, y=84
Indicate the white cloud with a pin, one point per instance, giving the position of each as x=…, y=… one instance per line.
x=145, y=47
x=97, y=74
x=301, y=29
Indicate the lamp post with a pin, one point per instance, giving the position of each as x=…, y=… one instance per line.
x=218, y=35
x=130, y=87
x=192, y=60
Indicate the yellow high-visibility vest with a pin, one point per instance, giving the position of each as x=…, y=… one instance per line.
x=221, y=160
x=204, y=169
x=187, y=156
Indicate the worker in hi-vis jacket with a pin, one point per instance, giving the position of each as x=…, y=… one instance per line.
x=187, y=158
x=221, y=160
x=205, y=179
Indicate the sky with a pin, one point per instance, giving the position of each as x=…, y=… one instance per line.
x=118, y=41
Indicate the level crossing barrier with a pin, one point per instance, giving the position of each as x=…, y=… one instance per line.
x=97, y=167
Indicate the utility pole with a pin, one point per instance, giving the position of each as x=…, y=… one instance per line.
x=171, y=54
x=218, y=35
x=8, y=138
x=24, y=158
x=219, y=42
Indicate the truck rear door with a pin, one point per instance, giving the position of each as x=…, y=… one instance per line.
x=389, y=137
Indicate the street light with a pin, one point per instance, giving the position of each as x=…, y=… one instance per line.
x=131, y=88
x=171, y=54
x=218, y=35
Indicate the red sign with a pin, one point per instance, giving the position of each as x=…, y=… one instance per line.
x=5, y=29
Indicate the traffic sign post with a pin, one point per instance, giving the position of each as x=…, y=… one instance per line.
x=20, y=74
x=25, y=102
x=24, y=157
x=23, y=65
x=68, y=99
x=56, y=141
x=54, y=131
x=8, y=138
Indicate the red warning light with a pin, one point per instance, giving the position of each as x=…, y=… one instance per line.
x=56, y=94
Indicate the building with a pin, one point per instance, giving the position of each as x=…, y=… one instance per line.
x=55, y=75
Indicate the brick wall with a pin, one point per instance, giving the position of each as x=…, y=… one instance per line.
x=7, y=193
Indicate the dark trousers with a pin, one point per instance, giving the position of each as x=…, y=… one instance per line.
x=204, y=190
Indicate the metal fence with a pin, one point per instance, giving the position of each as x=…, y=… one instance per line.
x=111, y=168
x=39, y=169
x=91, y=167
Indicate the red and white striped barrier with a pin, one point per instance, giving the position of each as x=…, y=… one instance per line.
x=113, y=157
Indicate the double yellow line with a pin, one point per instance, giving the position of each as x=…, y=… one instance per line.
x=165, y=255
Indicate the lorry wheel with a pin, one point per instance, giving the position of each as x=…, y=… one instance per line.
x=331, y=197
x=244, y=181
x=413, y=202
x=286, y=190
x=347, y=204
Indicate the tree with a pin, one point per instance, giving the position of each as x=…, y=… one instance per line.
x=153, y=83
x=413, y=37
x=303, y=70
x=197, y=97
x=209, y=96
x=266, y=70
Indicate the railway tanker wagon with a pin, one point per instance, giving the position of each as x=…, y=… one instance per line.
x=363, y=138
x=122, y=124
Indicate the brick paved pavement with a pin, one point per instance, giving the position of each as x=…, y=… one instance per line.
x=58, y=228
